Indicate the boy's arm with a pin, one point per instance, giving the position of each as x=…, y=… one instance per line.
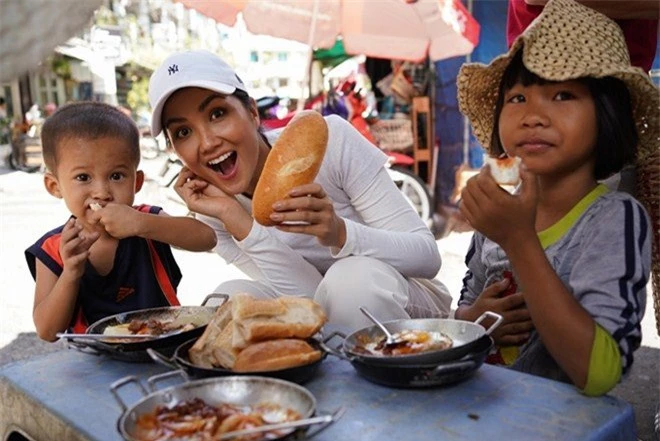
x=55, y=297
x=54, y=301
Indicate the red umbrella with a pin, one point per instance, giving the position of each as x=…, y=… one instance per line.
x=396, y=29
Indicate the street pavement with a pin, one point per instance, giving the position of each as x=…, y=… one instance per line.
x=27, y=211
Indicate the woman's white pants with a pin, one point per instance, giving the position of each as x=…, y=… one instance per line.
x=357, y=281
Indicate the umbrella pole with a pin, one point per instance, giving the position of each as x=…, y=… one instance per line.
x=310, y=55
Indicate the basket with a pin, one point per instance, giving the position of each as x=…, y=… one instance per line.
x=393, y=134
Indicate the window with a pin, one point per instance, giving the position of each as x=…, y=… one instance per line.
x=254, y=56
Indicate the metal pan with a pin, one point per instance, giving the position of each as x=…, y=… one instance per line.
x=426, y=375
x=180, y=360
x=235, y=390
x=199, y=316
x=464, y=335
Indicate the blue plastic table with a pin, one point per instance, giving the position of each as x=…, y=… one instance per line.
x=65, y=396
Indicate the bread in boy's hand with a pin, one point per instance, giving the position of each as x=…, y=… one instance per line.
x=274, y=355
x=505, y=169
x=294, y=160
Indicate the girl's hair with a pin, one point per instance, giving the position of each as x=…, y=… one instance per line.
x=87, y=120
x=616, y=140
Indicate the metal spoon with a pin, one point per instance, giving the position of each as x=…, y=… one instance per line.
x=324, y=419
x=390, y=339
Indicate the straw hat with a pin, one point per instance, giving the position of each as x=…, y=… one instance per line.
x=566, y=41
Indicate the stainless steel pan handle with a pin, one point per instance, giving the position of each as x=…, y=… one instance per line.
x=493, y=315
x=216, y=295
x=161, y=359
x=154, y=379
x=337, y=352
x=114, y=387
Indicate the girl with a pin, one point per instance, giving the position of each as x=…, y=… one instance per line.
x=573, y=109
x=363, y=244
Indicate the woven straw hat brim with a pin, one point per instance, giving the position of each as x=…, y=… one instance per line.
x=567, y=41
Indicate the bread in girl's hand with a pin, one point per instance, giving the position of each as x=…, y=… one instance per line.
x=294, y=160
x=505, y=169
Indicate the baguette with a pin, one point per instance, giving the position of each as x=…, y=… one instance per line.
x=301, y=318
x=294, y=160
x=274, y=355
x=200, y=353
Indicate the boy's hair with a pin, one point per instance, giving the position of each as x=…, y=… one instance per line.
x=617, y=138
x=87, y=120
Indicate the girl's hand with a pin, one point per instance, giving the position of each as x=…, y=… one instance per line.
x=74, y=248
x=500, y=216
x=516, y=321
x=310, y=210
x=200, y=196
x=118, y=220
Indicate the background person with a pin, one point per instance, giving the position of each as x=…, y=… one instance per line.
x=364, y=244
x=580, y=254
x=109, y=257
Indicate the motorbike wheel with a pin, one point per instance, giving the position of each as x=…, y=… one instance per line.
x=415, y=191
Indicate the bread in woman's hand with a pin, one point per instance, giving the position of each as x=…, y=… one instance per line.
x=294, y=160
x=274, y=355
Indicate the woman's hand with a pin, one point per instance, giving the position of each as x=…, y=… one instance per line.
x=500, y=216
x=310, y=210
x=74, y=248
x=200, y=196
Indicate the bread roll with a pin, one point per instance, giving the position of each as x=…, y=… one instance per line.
x=274, y=355
x=294, y=160
x=201, y=353
x=505, y=169
x=254, y=321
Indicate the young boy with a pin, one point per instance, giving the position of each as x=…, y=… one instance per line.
x=109, y=257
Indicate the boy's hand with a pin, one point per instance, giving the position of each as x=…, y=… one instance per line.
x=500, y=216
x=118, y=220
x=200, y=196
x=516, y=324
x=74, y=248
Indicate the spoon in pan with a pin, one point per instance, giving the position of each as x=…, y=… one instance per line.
x=391, y=340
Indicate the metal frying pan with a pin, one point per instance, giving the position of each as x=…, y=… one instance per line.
x=235, y=390
x=180, y=360
x=426, y=375
x=464, y=335
x=199, y=316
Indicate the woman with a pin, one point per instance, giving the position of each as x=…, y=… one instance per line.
x=363, y=245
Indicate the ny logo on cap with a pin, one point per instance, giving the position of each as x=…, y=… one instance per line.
x=172, y=69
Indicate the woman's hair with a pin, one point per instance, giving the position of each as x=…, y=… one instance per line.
x=616, y=140
x=87, y=120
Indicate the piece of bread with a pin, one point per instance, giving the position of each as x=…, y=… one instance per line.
x=505, y=169
x=274, y=355
x=201, y=353
x=294, y=160
x=224, y=355
x=283, y=317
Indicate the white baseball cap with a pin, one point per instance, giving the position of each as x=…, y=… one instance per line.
x=189, y=69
